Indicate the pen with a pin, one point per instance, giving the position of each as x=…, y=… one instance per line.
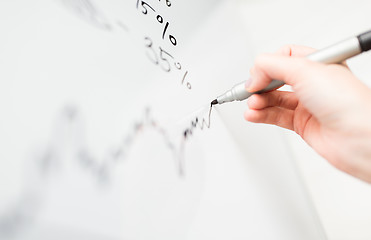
x=333, y=54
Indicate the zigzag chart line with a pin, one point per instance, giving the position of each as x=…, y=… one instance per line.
x=25, y=209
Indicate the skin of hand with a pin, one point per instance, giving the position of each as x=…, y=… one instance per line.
x=329, y=107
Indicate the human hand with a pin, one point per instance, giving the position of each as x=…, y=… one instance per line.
x=329, y=107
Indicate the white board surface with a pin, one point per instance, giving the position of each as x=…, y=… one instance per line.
x=106, y=129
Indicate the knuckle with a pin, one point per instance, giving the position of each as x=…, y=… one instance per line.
x=279, y=100
x=301, y=67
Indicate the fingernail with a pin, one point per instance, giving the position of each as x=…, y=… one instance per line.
x=248, y=82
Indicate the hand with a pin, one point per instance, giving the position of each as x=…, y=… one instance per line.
x=329, y=107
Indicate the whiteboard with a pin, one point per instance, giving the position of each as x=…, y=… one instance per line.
x=107, y=130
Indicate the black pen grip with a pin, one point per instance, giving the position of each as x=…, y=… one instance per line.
x=365, y=41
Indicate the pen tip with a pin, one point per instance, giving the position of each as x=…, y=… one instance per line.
x=214, y=102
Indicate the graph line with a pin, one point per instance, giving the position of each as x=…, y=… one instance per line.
x=23, y=212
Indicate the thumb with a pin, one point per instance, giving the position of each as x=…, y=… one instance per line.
x=291, y=70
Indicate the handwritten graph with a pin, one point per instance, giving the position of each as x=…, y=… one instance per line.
x=23, y=212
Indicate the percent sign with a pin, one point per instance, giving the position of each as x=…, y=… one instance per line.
x=172, y=39
x=159, y=18
x=183, y=80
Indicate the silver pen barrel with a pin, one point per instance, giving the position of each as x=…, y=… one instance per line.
x=338, y=52
x=332, y=54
